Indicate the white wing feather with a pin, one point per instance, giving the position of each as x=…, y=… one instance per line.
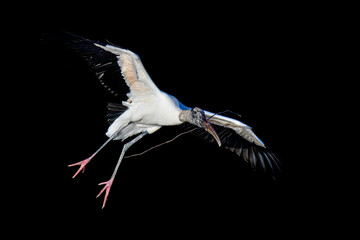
x=133, y=71
x=240, y=128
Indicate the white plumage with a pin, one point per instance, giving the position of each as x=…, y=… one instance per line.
x=147, y=114
x=146, y=108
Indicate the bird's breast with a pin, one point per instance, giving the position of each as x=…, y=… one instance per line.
x=162, y=111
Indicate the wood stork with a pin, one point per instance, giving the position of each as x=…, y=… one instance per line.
x=147, y=109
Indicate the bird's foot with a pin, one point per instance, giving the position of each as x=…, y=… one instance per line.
x=107, y=188
x=82, y=165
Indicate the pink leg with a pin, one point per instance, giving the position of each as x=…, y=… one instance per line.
x=82, y=165
x=107, y=188
x=86, y=161
x=110, y=182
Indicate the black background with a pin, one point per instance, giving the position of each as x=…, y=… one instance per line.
x=263, y=63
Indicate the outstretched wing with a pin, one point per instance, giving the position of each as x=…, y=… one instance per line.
x=117, y=69
x=240, y=139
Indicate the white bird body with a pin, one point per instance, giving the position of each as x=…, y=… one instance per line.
x=158, y=110
x=163, y=110
x=147, y=108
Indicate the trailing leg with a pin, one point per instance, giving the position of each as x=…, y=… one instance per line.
x=83, y=163
x=109, y=183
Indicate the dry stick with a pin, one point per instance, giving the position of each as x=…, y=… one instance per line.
x=138, y=154
x=159, y=145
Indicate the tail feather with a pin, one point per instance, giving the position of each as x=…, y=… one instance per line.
x=114, y=111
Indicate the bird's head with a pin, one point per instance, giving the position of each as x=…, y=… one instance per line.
x=197, y=117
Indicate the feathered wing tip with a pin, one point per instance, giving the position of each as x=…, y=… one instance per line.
x=102, y=63
x=259, y=158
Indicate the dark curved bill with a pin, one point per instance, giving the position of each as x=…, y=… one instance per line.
x=211, y=130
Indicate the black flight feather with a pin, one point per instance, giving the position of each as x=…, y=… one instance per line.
x=114, y=111
x=102, y=63
x=258, y=157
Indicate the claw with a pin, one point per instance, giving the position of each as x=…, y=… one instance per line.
x=107, y=188
x=82, y=165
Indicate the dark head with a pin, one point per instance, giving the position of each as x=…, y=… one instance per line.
x=197, y=117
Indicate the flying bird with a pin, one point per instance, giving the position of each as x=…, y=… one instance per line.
x=145, y=109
